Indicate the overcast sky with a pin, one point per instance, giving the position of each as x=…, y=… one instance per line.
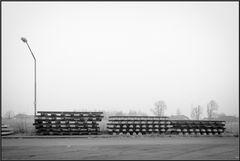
x=120, y=56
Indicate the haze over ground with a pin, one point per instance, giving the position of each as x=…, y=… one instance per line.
x=121, y=56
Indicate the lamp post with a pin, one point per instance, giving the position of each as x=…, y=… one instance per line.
x=35, y=83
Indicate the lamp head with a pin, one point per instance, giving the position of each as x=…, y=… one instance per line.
x=24, y=39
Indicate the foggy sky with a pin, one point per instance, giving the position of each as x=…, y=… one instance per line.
x=120, y=56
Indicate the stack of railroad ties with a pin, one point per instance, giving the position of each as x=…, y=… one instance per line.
x=67, y=123
x=86, y=123
x=6, y=130
x=141, y=125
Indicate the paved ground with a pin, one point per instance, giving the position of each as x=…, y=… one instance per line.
x=122, y=148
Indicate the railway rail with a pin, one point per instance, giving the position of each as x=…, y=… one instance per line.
x=141, y=125
x=67, y=123
x=87, y=123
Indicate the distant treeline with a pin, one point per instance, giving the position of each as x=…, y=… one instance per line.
x=106, y=114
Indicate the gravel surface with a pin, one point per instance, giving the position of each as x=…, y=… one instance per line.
x=121, y=148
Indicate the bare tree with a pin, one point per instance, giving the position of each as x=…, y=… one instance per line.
x=140, y=113
x=119, y=113
x=211, y=107
x=160, y=106
x=9, y=114
x=132, y=113
x=196, y=112
x=178, y=112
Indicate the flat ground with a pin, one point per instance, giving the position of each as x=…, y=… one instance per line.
x=122, y=148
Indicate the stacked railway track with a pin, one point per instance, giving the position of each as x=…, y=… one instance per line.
x=67, y=123
x=6, y=130
x=198, y=127
x=140, y=125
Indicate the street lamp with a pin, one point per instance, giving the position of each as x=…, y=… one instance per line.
x=35, y=83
